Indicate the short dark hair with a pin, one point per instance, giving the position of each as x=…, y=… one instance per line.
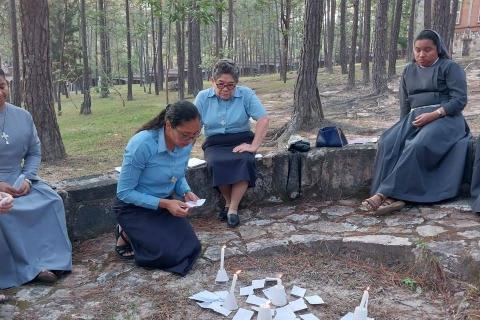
x=177, y=113
x=225, y=66
x=2, y=73
x=432, y=35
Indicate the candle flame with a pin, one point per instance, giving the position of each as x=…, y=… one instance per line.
x=224, y=246
x=280, y=275
x=267, y=304
x=368, y=288
x=238, y=271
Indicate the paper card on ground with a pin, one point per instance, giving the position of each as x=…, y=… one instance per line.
x=221, y=294
x=272, y=311
x=315, y=299
x=309, y=316
x=270, y=293
x=118, y=169
x=243, y=314
x=197, y=203
x=216, y=306
x=349, y=316
x=258, y=284
x=194, y=162
x=298, y=305
x=285, y=313
x=204, y=296
x=246, y=291
x=258, y=156
x=258, y=301
x=297, y=291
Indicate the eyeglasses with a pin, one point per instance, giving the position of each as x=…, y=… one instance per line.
x=229, y=86
x=187, y=137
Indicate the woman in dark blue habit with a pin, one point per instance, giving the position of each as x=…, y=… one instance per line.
x=153, y=227
x=422, y=157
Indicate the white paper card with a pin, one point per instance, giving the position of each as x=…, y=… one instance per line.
x=217, y=307
x=246, y=291
x=308, y=316
x=315, y=299
x=195, y=162
x=205, y=296
x=221, y=294
x=270, y=293
x=258, y=156
x=253, y=299
x=297, y=291
x=118, y=169
x=298, y=305
x=197, y=203
x=272, y=311
x=243, y=314
x=285, y=313
x=258, y=284
x=349, y=316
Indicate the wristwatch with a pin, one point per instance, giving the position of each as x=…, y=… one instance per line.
x=440, y=112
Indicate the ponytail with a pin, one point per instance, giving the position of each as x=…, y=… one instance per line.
x=176, y=114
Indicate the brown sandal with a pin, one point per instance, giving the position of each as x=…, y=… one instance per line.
x=388, y=206
x=46, y=276
x=372, y=203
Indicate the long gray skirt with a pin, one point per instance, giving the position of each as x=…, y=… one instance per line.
x=33, y=237
x=475, y=185
x=421, y=164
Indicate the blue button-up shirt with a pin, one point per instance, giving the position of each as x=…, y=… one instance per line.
x=228, y=116
x=150, y=172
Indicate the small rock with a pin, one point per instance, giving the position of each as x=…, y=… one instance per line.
x=430, y=231
x=213, y=252
x=265, y=244
x=459, y=224
x=380, y=239
x=280, y=229
x=436, y=216
x=310, y=238
x=29, y=294
x=363, y=220
x=403, y=221
x=259, y=223
x=448, y=248
x=338, y=211
x=470, y=234
x=302, y=217
x=461, y=204
x=216, y=237
x=329, y=227
x=250, y=232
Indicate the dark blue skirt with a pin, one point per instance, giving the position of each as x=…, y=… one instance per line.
x=227, y=167
x=159, y=239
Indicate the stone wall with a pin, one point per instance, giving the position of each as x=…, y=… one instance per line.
x=327, y=174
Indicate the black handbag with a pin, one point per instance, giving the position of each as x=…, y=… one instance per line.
x=331, y=137
x=299, y=146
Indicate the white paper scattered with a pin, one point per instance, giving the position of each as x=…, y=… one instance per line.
x=258, y=284
x=298, y=305
x=349, y=316
x=246, y=291
x=316, y=299
x=271, y=293
x=217, y=307
x=118, y=169
x=221, y=294
x=297, y=291
x=195, y=162
x=309, y=316
x=272, y=311
x=258, y=156
x=285, y=313
x=258, y=301
x=197, y=203
x=243, y=314
x=205, y=296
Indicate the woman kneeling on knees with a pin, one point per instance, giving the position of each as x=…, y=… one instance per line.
x=34, y=243
x=153, y=227
x=230, y=147
x=422, y=157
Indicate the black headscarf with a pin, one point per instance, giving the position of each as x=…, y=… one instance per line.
x=429, y=34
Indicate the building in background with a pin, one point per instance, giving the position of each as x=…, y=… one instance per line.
x=467, y=29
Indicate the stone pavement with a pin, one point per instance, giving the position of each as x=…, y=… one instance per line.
x=330, y=248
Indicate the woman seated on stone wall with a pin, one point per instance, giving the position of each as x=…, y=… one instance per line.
x=422, y=157
x=153, y=227
x=230, y=146
x=34, y=242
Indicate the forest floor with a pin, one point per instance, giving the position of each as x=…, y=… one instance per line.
x=95, y=143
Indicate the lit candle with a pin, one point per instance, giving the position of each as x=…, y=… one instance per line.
x=222, y=257
x=264, y=312
x=234, y=281
x=364, y=302
x=279, y=279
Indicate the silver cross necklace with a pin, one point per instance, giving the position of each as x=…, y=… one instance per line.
x=4, y=135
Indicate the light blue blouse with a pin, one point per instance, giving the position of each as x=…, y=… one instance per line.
x=228, y=116
x=150, y=172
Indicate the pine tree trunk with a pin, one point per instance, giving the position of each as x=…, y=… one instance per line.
x=161, y=75
x=451, y=28
x=180, y=40
x=230, y=27
x=331, y=37
x=129, y=53
x=37, y=76
x=285, y=15
x=105, y=81
x=353, y=51
x=87, y=100
x=154, y=53
x=392, y=52
x=16, y=85
x=343, y=36
x=218, y=31
x=194, y=53
x=379, y=78
x=367, y=16
x=411, y=30
x=441, y=18
x=427, y=14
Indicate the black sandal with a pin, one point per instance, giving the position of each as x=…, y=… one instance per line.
x=124, y=249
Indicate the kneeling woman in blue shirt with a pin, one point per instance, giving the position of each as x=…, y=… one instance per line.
x=230, y=146
x=153, y=227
